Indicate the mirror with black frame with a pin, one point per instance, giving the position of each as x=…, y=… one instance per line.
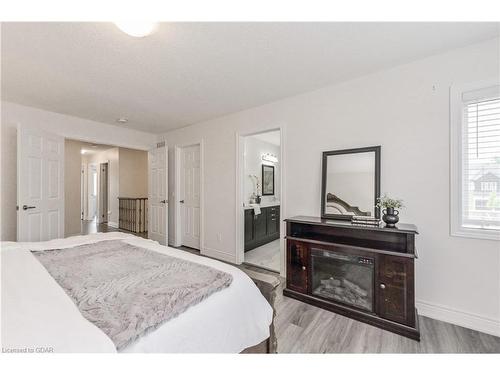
x=350, y=183
x=267, y=179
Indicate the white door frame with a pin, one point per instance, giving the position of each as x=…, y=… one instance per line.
x=177, y=192
x=240, y=175
x=83, y=213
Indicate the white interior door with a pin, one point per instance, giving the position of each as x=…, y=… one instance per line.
x=40, y=185
x=92, y=189
x=158, y=195
x=190, y=196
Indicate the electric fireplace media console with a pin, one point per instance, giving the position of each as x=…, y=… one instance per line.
x=363, y=272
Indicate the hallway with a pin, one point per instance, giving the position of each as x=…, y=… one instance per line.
x=91, y=226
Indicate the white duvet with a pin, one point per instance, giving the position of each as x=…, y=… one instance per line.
x=37, y=315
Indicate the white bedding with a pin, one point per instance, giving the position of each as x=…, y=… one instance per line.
x=37, y=313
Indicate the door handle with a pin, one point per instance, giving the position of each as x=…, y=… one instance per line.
x=164, y=201
x=182, y=201
x=25, y=207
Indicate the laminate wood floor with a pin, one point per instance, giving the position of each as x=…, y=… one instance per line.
x=302, y=328
x=90, y=226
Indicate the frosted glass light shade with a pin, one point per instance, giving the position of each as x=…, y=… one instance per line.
x=137, y=29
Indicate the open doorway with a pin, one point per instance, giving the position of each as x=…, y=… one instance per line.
x=92, y=192
x=261, y=199
x=106, y=189
x=95, y=197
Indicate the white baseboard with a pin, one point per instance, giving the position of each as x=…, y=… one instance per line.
x=112, y=224
x=217, y=254
x=460, y=318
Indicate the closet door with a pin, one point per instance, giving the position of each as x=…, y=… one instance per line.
x=190, y=180
x=158, y=195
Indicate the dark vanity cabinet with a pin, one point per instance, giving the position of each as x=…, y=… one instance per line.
x=365, y=273
x=263, y=228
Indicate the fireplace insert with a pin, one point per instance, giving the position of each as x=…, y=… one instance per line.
x=348, y=279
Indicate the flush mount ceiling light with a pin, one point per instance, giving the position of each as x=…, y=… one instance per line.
x=122, y=120
x=137, y=29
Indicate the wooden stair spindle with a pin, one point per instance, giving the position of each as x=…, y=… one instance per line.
x=133, y=214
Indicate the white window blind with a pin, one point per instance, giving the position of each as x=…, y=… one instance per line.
x=481, y=160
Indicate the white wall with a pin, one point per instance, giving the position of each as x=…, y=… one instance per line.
x=67, y=126
x=72, y=187
x=8, y=177
x=133, y=173
x=254, y=149
x=406, y=111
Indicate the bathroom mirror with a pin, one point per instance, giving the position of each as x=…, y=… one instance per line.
x=267, y=179
x=350, y=183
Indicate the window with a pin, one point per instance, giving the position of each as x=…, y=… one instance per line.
x=475, y=160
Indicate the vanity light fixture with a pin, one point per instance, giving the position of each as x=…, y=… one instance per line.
x=137, y=29
x=83, y=151
x=270, y=158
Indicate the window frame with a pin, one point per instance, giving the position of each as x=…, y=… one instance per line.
x=456, y=162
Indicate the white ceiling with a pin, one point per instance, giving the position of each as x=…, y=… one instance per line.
x=190, y=72
x=93, y=148
x=272, y=137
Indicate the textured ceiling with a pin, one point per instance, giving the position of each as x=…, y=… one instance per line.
x=190, y=72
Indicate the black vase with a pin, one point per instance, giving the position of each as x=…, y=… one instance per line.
x=257, y=199
x=390, y=217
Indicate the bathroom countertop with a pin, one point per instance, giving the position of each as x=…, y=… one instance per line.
x=262, y=205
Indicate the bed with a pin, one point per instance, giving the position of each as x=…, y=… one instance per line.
x=37, y=313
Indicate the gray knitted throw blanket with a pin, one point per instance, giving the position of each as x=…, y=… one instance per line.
x=127, y=290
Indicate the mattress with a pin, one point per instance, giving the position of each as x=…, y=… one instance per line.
x=37, y=315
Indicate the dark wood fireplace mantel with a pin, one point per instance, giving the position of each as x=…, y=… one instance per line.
x=363, y=272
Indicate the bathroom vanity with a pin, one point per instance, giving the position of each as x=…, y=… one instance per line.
x=263, y=228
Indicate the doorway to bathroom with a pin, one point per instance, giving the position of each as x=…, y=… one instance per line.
x=260, y=191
